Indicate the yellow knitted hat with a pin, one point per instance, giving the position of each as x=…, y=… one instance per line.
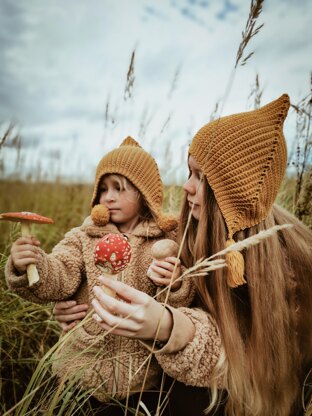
x=131, y=161
x=243, y=157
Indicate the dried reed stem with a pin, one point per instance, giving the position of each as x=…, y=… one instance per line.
x=250, y=31
x=252, y=241
x=6, y=135
x=130, y=78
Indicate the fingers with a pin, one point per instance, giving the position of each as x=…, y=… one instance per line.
x=169, y=263
x=22, y=248
x=64, y=304
x=110, y=320
x=172, y=260
x=77, y=316
x=21, y=264
x=24, y=252
x=68, y=311
x=27, y=240
x=129, y=294
x=165, y=272
x=154, y=277
x=139, y=319
x=164, y=269
x=67, y=327
x=112, y=305
x=159, y=281
x=115, y=331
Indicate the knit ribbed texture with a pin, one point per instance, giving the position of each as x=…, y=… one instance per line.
x=244, y=158
x=131, y=161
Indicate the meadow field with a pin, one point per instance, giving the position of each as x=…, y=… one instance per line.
x=28, y=330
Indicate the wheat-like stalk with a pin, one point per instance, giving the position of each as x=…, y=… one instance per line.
x=252, y=241
x=250, y=31
x=6, y=135
x=130, y=78
x=206, y=265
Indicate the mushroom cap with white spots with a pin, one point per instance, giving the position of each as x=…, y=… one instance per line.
x=112, y=253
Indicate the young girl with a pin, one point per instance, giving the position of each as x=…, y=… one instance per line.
x=249, y=339
x=127, y=199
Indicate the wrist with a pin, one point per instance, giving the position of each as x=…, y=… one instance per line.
x=176, y=286
x=165, y=326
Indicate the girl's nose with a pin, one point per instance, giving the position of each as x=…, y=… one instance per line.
x=110, y=195
x=188, y=186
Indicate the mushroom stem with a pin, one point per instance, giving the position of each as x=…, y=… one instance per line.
x=32, y=272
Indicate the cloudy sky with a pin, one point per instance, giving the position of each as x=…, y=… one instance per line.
x=64, y=68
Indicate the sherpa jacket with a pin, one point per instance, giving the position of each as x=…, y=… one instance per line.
x=115, y=366
x=193, y=349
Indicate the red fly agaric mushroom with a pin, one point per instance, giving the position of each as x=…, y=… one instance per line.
x=26, y=219
x=112, y=254
x=162, y=249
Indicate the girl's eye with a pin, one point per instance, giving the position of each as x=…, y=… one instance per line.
x=196, y=174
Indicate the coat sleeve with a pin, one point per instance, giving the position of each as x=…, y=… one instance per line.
x=192, y=352
x=60, y=272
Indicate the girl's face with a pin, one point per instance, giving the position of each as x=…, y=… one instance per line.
x=194, y=187
x=122, y=200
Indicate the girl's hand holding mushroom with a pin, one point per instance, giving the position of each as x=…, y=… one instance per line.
x=163, y=272
x=165, y=268
x=24, y=252
x=138, y=315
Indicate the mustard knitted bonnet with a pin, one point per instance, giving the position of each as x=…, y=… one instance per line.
x=243, y=157
x=139, y=167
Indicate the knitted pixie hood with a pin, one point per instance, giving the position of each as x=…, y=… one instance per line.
x=139, y=167
x=243, y=157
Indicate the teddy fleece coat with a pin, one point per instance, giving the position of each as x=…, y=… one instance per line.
x=113, y=366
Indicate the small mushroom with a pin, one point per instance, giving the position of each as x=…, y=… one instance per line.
x=162, y=249
x=26, y=219
x=165, y=248
x=112, y=254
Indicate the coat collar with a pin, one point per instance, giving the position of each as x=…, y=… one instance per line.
x=143, y=229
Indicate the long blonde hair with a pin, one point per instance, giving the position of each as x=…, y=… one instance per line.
x=259, y=323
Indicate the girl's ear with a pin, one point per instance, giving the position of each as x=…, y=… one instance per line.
x=100, y=215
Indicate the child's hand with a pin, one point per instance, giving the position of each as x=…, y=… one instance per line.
x=160, y=272
x=68, y=313
x=24, y=252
